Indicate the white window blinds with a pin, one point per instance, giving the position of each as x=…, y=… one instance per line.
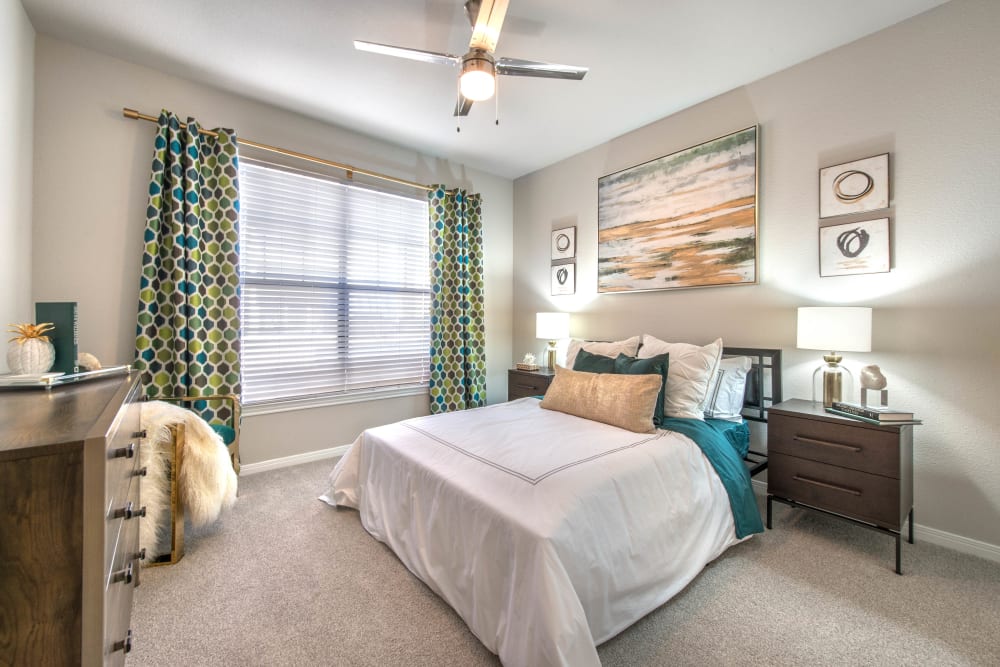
x=335, y=279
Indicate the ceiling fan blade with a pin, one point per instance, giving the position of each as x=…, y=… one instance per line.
x=462, y=105
x=516, y=67
x=411, y=54
x=486, y=31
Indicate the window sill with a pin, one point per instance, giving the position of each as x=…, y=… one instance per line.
x=291, y=404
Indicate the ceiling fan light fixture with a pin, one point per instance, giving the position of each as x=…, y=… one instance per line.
x=478, y=80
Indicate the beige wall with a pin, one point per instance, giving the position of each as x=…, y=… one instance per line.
x=91, y=170
x=17, y=97
x=927, y=91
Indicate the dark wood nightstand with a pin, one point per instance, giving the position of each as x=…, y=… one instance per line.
x=844, y=467
x=528, y=383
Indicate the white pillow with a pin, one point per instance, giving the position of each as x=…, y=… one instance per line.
x=726, y=391
x=612, y=349
x=689, y=375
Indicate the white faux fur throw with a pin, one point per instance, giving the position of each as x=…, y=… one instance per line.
x=207, y=482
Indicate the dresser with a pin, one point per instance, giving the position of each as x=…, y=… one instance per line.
x=521, y=384
x=69, y=522
x=853, y=470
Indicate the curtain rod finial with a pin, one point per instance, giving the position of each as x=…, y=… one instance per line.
x=130, y=113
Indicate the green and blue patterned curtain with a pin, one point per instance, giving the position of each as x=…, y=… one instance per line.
x=458, y=332
x=188, y=327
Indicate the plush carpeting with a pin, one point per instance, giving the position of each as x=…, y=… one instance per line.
x=284, y=579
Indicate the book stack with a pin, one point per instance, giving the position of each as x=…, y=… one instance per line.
x=873, y=414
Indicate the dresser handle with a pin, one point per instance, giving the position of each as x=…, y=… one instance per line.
x=141, y=472
x=826, y=443
x=827, y=485
x=125, y=644
x=529, y=387
x=141, y=435
x=124, y=452
x=128, y=513
x=123, y=576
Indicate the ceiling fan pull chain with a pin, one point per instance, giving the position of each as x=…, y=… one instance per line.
x=496, y=100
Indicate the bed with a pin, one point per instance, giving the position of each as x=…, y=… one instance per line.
x=549, y=533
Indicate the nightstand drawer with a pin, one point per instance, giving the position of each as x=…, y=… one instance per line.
x=854, y=446
x=871, y=498
x=522, y=384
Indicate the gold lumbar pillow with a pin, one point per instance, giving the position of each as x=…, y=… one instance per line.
x=625, y=401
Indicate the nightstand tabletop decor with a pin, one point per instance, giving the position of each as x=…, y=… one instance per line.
x=856, y=471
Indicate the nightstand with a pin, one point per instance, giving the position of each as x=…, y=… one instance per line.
x=844, y=467
x=528, y=383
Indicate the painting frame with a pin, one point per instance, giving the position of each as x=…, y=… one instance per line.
x=858, y=186
x=563, y=279
x=855, y=248
x=564, y=243
x=683, y=220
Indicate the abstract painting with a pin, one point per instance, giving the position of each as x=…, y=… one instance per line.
x=688, y=219
x=563, y=279
x=856, y=247
x=564, y=243
x=854, y=187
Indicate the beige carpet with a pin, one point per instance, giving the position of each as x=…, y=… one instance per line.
x=284, y=579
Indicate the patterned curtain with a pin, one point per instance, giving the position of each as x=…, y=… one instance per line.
x=188, y=327
x=458, y=335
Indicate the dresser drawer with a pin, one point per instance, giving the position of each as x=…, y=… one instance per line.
x=859, y=495
x=121, y=578
x=521, y=385
x=870, y=450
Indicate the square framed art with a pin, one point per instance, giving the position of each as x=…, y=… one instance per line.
x=563, y=279
x=853, y=248
x=564, y=243
x=854, y=187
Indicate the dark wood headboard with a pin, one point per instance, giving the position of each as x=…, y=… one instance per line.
x=763, y=382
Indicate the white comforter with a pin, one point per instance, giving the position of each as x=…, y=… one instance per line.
x=547, y=533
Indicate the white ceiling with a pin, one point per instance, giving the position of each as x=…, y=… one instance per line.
x=647, y=59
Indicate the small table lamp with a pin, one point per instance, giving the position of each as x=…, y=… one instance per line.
x=551, y=327
x=845, y=329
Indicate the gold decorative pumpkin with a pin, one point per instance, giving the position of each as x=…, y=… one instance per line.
x=30, y=352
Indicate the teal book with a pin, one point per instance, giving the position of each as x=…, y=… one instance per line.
x=65, y=335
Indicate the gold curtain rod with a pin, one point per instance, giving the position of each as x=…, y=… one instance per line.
x=135, y=115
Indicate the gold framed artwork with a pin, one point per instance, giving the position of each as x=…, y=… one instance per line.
x=688, y=219
x=854, y=187
x=854, y=247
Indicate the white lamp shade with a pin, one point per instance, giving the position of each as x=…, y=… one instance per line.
x=552, y=326
x=835, y=329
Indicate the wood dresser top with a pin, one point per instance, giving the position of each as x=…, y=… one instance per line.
x=32, y=418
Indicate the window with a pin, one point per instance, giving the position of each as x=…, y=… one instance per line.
x=335, y=280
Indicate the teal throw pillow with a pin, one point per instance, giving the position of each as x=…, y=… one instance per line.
x=593, y=363
x=657, y=365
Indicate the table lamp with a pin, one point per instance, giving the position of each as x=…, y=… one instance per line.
x=838, y=329
x=551, y=327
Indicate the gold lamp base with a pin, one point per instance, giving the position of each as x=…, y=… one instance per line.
x=550, y=356
x=829, y=380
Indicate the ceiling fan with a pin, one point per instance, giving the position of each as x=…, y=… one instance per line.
x=477, y=81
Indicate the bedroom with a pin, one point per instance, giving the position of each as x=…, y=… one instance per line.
x=925, y=90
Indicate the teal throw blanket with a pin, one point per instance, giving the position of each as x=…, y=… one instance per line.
x=729, y=466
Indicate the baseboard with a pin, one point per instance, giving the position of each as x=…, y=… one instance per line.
x=965, y=545
x=294, y=460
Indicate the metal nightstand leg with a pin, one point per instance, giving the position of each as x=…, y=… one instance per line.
x=911, y=525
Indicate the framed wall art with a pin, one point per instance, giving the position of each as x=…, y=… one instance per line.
x=854, y=187
x=564, y=243
x=688, y=219
x=852, y=248
x=563, y=279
